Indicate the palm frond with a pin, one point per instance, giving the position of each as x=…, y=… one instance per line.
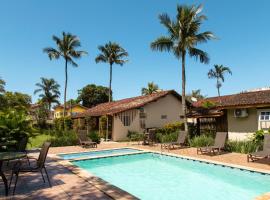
x=199, y=54
x=162, y=44
x=52, y=53
x=101, y=58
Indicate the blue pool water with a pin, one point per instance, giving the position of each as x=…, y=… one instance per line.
x=152, y=176
x=92, y=154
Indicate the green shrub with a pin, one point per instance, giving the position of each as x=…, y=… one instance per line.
x=134, y=136
x=14, y=125
x=170, y=137
x=59, y=123
x=64, y=138
x=258, y=136
x=171, y=128
x=94, y=136
x=247, y=146
x=200, y=141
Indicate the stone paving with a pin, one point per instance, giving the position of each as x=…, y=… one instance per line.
x=67, y=185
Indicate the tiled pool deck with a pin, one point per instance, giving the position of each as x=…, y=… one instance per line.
x=69, y=182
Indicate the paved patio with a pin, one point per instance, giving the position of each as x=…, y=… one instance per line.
x=67, y=185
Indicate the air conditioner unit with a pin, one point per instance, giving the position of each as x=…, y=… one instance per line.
x=241, y=112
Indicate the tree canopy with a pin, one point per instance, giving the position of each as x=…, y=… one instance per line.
x=218, y=73
x=150, y=89
x=92, y=94
x=2, y=85
x=15, y=100
x=48, y=90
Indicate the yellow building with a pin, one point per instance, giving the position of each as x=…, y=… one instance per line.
x=70, y=110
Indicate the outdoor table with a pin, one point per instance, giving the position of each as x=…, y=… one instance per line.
x=6, y=156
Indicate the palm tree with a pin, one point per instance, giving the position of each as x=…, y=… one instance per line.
x=151, y=88
x=196, y=94
x=65, y=48
x=2, y=85
x=218, y=73
x=111, y=53
x=183, y=37
x=49, y=91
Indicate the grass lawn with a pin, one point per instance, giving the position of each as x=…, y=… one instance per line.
x=37, y=141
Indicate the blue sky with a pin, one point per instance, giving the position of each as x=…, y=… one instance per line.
x=27, y=26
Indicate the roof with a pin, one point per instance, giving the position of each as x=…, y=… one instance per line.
x=68, y=106
x=115, y=107
x=244, y=99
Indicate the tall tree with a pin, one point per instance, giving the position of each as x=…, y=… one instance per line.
x=218, y=73
x=2, y=85
x=183, y=37
x=49, y=91
x=92, y=94
x=151, y=88
x=66, y=47
x=15, y=100
x=111, y=53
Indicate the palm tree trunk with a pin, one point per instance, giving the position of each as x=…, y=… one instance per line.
x=218, y=88
x=65, y=92
x=110, y=88
x=110, y=84
x=184, y=89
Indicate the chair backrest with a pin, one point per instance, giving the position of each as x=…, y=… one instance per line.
x=43, y=154
x=182, y=136
x=21, y=146
x=82, y=135
x=266, y=143
x=220, y=139
x=152, y=134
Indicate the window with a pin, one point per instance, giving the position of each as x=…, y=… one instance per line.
x=265, y=116
x=163, y=116
x=264, y=120
x=126, y=120
x=127, y=117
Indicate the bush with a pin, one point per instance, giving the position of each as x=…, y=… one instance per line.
x=258, y=136
x=201, y=141
x=134, y=136
x=14, y=125
x=247, y=146
x=64, y=138
x=94, y=136
x=171, y=128
x=170, y=137
x=60, y=126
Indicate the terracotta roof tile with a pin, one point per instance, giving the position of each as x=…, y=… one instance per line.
x=125, y=104
x=255, y=98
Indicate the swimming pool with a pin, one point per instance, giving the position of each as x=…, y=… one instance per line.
x=154, y=176
x=92, y=154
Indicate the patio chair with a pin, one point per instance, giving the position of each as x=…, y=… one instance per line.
x=218, y=145
x=84, y=140
x=181, y=139
x=265, y=153
x=39, y=165
x=21, y=147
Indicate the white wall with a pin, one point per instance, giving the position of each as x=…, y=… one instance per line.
x=168, y=105
x=120, y=131
x=242, y=128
